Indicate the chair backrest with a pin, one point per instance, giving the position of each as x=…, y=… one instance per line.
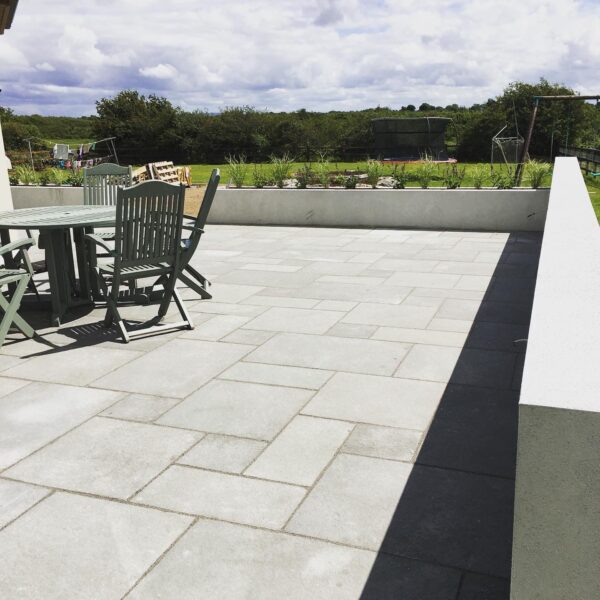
x=207, y=199
x=203, y=210
x=148, y=224
x=100, y=183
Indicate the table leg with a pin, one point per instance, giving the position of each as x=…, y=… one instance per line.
x=58, y=276
x=83, y=264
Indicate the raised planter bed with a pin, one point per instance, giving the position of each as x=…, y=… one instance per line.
x=483, y=210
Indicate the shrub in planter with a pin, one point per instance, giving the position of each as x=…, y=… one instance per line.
x=25, y=175
x=425, y=172
x=478, y=175
x=453, y=177
x=237, y=169
x=58, y=176
x=281, y=169
x=75, y=178
x=322, y=171
x=13, y=179
x=350, y=182
x=374, y=170
x=537, y=172
x=259, y=177
x=503, y=179
x=45, y=177
x=400, y=177
x=304, y=177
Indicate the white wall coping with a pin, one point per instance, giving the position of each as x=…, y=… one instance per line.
x=562, y=363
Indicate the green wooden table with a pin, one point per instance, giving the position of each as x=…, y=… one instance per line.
x=55, y=224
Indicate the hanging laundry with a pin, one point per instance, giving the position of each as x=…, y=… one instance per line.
x=61, y=151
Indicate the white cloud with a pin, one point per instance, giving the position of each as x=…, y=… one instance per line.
x=159, y=71
x=45, y=66
x=316, y=54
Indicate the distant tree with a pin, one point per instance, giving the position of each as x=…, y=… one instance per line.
x=5, y=113
x=16, y=135
x=145, y=127
x=410, y=107
x=425, y=106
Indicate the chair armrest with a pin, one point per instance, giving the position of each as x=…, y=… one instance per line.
x=18, y=245
x=99, y=242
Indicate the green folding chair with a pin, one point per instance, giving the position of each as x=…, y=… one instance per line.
x=9, y=305
x=195, y=226
x=147, y=244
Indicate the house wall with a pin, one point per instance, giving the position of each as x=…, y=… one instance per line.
x=556, y=543
x=5, y=195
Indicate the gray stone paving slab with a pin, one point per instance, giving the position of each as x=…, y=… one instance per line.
x=91, y=363
x=311, y=379
x=225, y=308
x=230, y=561
x=227, y=292
x=70, y=547
x=454, y=308
x=353, y=503
x=334, y=353
x=9, y=385
x=394, y=402
x=353, y=330
x=383, y=442
x=301, y=451
x=36, y=414
x=242, y=409
x=16, y=498
x=248, y=336
x=335, y=305
x=261, y=300
x=465, y=268
x=421, y=336
x=351, y=292
x=106, y=457
x=139, y=407
x=457, y=325
x=431, y=363
x=227, y=497
x=429, y=280
x=215, y=328
x=223, y=453
x=178, y=368
x=392, y=315
x=295, y=320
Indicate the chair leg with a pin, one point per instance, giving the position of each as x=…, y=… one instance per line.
x=182, y=310
x=202, y=292
x=203, y=281
x=29, y=268
x=10, y=311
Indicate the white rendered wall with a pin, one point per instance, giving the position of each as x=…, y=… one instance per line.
x=5, y=196
x=556, y=544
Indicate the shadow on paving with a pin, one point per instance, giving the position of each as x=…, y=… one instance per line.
x=451, y=534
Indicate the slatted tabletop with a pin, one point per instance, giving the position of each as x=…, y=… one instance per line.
x=58, y=217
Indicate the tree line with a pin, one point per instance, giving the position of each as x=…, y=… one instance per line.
x=151, y=128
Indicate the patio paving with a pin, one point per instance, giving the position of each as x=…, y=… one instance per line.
x=341, y=423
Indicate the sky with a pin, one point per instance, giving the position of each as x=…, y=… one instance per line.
x=60, y=57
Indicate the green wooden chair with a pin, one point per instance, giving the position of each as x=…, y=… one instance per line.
x=100, y=185
x=147, y=244
x=195, y=225
x=20, y=279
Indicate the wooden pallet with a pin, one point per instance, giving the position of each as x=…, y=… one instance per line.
x=164, y=171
